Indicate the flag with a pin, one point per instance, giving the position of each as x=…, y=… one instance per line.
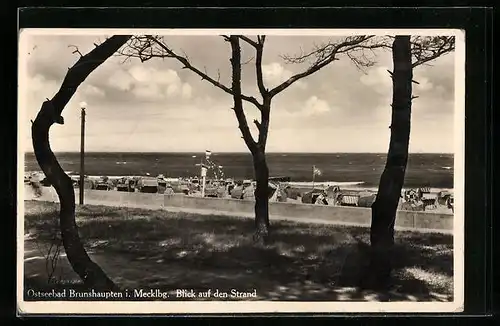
x=316, y=171
x=208, y=153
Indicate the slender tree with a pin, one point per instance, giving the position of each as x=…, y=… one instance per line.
x=90, y=273
x=146, y=47
x=391, y=182
x=407, y=53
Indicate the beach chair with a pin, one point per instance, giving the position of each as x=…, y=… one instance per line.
x=429, y=201
x=349, y=200
x=148, y=186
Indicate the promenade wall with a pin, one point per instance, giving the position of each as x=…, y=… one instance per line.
x=357, y=215
x=237, y=207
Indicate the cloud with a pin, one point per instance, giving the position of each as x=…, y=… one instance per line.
x=148, y=91
x=275, y=74
x=150, y=83
x=159, y=100
x=92, y=91
x=315, y=106
x=172, y=90
x=186, y=91
x=120, y=80
x=379, y=79
x=38, y=84
x=424, y=85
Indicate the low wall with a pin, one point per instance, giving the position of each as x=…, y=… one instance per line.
x=217, y=204
x=119, y=198
x=103, y=197
x=357, y=215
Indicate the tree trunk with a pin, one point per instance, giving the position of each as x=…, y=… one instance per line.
x=261, y=198
x=90, y=273
x=391, y=182
x=258, y=149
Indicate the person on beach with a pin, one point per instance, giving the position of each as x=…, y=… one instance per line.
x=169, y=190
x=321, y=199
x=249, y=192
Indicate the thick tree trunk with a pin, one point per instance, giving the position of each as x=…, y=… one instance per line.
x=90, y=273
x=261, y=198
x=391, y=182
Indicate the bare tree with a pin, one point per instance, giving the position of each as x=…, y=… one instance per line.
x=146, y=47
x=90, y=273
x=407, y=54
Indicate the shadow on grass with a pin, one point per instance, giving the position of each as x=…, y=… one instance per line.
x=167, y=251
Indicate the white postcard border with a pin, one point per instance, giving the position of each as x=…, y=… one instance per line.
x=224, y=307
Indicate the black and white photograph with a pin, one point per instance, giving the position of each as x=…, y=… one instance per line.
x=187, y=171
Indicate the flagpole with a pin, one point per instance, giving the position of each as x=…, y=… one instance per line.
x=202, y=178
x=314, y=167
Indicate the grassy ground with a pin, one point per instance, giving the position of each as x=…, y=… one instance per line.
x=163, y=250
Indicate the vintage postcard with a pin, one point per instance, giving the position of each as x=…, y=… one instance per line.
x=188, y=171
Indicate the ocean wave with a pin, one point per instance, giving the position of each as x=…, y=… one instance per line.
x=422, y=169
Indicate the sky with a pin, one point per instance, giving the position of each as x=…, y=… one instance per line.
x=156, y=106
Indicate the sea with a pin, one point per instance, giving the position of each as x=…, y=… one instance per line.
x=429, y=170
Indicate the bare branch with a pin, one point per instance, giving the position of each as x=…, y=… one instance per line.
x=206, y=73
x=249, y=40
x=259, y=48
x=76, y=50
x=146, y=47
x=125, y=60
x=248, y=61
x=361, y=52
x=428, y=48
x=237, y=96
x=327, y=53
x=257, y=123
x=413, y=81
x=355, y=51
x=186, y=56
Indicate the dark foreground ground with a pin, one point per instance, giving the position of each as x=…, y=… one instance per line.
x=146, y=249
